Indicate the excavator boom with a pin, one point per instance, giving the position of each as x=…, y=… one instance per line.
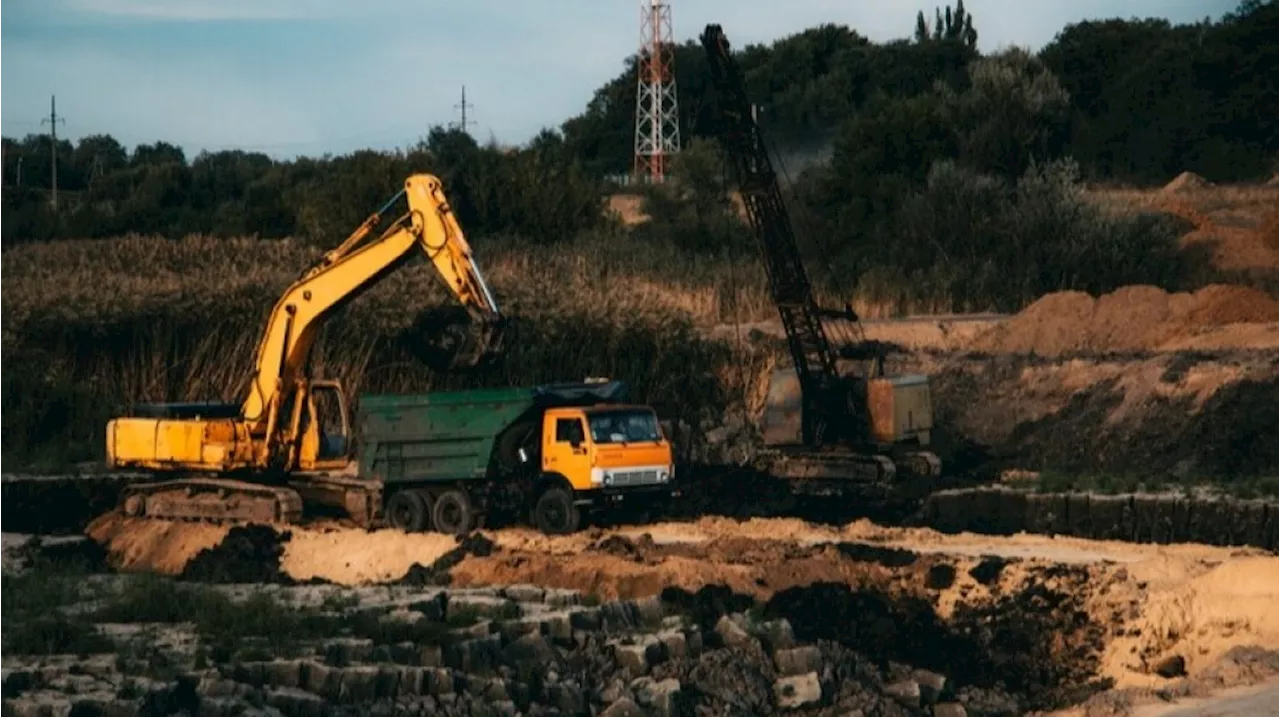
x=351, y=269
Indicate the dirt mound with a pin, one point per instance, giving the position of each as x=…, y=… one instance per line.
x=1187, y=181
x=1134, y=319
x=1169, y=415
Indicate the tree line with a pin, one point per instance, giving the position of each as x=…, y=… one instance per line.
x=1125, y=100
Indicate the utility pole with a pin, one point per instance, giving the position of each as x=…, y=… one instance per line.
x=462, y=124
x=53, y=119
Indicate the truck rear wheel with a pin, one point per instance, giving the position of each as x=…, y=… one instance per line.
x=407, y=511
x=452, y=512
x=555, y=513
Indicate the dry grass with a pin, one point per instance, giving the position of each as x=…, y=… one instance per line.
x=91, y=327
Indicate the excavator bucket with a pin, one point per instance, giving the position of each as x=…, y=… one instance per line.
x=450, y=339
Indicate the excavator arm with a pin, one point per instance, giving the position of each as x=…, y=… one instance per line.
x=353, y=267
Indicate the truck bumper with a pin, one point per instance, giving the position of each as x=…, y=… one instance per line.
x=604, y=498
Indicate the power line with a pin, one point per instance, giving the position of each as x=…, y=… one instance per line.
x=53, y=119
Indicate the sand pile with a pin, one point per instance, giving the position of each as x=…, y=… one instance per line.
x=1198, y=613
x=1187, y=181
x=1138, y=318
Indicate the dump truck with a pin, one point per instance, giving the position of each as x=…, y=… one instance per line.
x=553, y=454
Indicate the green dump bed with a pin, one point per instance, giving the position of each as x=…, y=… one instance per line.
x=450, y=435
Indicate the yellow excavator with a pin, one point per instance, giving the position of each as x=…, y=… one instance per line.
x=240, y=462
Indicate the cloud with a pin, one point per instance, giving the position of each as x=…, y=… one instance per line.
x=222, y=10
x=207, y=10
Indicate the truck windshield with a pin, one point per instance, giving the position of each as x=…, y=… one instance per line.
x=623, y=426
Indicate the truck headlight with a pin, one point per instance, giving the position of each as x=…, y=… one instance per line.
x=598, y=477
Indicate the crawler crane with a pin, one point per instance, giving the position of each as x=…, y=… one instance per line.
x=258, y=460
x=828, y=429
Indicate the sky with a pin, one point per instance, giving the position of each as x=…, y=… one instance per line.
x=291, y=77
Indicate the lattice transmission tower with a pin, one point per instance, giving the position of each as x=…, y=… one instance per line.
x=657, y=115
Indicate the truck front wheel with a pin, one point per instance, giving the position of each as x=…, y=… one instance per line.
x=555, y=513
x=453, y=513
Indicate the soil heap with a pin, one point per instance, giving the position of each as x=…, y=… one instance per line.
x=1187, y=181
x=1138, y=318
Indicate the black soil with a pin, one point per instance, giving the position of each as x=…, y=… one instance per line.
x=248, y=554
x=1033, y=649
x=437, y=573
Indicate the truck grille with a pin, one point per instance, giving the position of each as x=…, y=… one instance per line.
x=626, y=478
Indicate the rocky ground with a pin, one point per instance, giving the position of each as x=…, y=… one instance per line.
x=157, y=646
x=717, y=616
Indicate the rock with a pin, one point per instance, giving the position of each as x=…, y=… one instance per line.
x=799, y=660
x=620, y=614
x=37, y=705
x=431, y=656
x=294, y=701
x=567, y=698
x=949, y=709
x=410, y=682
x=797, y=691
x=437, y=681
x=359, y=684
x=433, y=609
x=387, y=683
x=524, y=593
x=283, y=673
x=677, y=646
x=585, y=620
x=515, y=629
x=663, y=697
x=632, y=659
x=476, y=654
x=650, y=610
x=778, y=635
x=347, y=651
x=506, y=708
x=731, y=633
x=495, y=690
x=320, y=679
x=559, y=627
x=906, y=693
x=930, y=685
x=1171, y=666
x=529, y=648
x=623, y=707
x=483, y=628
x=560, y=597
x=614, y=691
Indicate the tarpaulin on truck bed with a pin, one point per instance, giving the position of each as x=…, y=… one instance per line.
x=581, y=393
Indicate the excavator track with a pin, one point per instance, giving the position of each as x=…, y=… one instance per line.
x=213, y=500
